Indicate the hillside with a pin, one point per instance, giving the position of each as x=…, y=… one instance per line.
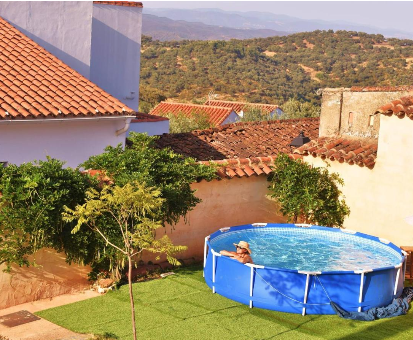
x=271, y=70
x=164, y=29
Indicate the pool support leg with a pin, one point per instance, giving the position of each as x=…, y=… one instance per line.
x=397, y=279
x=252, y=266
x=306, y=292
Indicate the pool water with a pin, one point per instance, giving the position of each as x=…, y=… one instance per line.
x=310, y=250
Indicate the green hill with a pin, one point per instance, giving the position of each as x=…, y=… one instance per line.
x=272, y=70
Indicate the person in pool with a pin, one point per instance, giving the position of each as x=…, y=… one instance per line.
x=242, y=254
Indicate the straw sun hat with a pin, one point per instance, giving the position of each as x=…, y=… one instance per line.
x=243, y=245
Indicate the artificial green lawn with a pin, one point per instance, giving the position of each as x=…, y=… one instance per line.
x=181, y=307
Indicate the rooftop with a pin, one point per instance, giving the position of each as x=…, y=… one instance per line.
x=146, y=117
x=217, y=115
x=241, y=106
x=36, y=84
x=240, y=140
x=400, y=108
x=360, y=151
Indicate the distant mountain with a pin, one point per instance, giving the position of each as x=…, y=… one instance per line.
x=164, y=29
x=268, y=21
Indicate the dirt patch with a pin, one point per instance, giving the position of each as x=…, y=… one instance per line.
x=308, y=44
x=310, y=71
x=269, y=54
x=384, y=45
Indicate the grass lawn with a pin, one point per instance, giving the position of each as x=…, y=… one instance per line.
x=181, y=306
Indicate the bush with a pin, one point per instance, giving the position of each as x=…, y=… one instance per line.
x=307, y=193
x=179, y=123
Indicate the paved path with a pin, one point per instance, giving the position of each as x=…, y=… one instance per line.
x=42, y=329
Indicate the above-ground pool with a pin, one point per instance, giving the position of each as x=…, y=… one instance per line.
x=301, y=268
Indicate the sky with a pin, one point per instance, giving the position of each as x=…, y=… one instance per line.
x=385, y=14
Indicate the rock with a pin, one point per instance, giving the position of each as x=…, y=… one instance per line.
x=105, y=283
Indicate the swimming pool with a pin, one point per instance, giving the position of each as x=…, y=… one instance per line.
x=300, y=268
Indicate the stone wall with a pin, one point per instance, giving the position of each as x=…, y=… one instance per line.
x=350, y=112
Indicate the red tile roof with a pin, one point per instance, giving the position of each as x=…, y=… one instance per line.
x=241, y=106
x=400, y=108
x=245, y=167
x=146, y=117
x=120, y=3
x=35, y=84
x=240, y=140
x=362, y=152
x=217, y=114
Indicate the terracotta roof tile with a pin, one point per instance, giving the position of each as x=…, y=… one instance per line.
x=241, y=106
x=217, y=115
x=362, y=152
x=240, y=140
x=146, y=117
x=400, y=108
x=31, y=73
x=256, y=166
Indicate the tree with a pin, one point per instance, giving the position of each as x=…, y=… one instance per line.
x=126, y=219
x=307, y=193
x=254, y=114
x=294, y=108
x=180, y=122
x=142, y=161
x=31, y=202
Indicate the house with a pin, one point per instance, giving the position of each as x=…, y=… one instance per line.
x=365, y=136
x=60, y=96
x=217, y=115
x=244, y=154
x=241, y=107
x=49, y=109
x=101, y=40
x=150, y=124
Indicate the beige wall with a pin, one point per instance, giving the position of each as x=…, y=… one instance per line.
x=52, y=277
x=381, y=198
x=225, y=203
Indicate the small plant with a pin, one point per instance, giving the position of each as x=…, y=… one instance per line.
x=104, y=336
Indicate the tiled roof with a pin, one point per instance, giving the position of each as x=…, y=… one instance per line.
x=146, y=117
x=120, y=3
x=241, y=106
x=245, y=167
x=35, y=84
x=240, y=140
x=400, y=108
x=362, y=152
x=217, y=114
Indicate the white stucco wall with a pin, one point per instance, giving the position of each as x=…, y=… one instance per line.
x=73, y=141
x=61, y=27
x=115, y=56
x=232, y=118
x=151, y=128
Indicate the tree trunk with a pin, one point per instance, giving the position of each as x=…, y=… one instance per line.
x=132, y=304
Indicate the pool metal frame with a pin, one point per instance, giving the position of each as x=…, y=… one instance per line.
x=303, y=291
